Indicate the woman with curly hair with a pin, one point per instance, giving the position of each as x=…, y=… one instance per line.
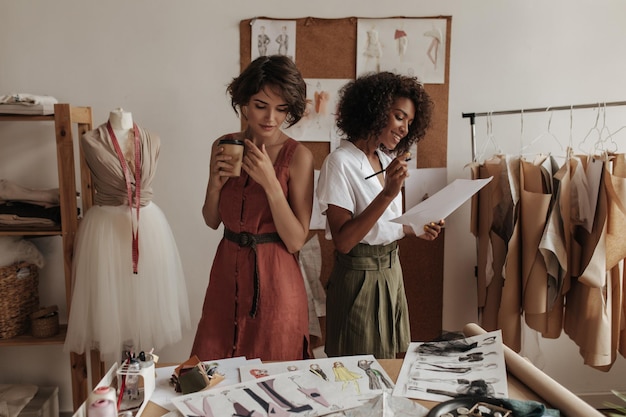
x=380, y=116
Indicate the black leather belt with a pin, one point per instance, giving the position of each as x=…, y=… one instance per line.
x=245, y=239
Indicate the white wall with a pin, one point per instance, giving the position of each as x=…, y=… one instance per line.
x=169, y=62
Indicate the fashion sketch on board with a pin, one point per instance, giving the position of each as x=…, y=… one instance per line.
x=318, y=122
x=435, y=43
x=373, y=49
x=273, y=37
x=262, y=41
x=402, y=42
x=408, y=46
x=283, y=41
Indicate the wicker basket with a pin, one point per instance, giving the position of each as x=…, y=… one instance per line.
x=19, y=297
x=45, y=322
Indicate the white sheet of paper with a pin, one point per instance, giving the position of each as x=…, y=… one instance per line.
x=442, y=204
x=318, y=221
x=439, y=371
x=422, y=183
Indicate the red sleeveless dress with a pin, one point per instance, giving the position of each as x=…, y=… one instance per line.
x=232, y=324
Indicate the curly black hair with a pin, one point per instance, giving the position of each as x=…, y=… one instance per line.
x=365, y=104
x=276, y=72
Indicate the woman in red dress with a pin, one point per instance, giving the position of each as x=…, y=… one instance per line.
x=256, y=303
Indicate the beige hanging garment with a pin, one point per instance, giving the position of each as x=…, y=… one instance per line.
x=493, y=300
x=588, y=315
x=591, y=319
x=587, y=235
x=616, y=251
x=535, y=203
x=487, y=202
x=621, y=344
x=616, y=216
x=482, y=210
x=617, y=300
x=500, y=211
x=510, y=312
x=554, y=246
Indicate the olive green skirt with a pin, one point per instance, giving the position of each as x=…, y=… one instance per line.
x=366, y=307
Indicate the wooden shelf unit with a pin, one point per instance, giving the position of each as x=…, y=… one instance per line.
x=66, y=119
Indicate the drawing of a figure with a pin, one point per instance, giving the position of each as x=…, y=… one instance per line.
x=373, y=48
x=342, y=374
x=321, y=99
x=259, y=373
x=477, y=388
x=317, y=370
x=374, y=375
x=433, y=48
x=263, y=41
x=283, y=41
x=451, y=347
x=402, y=41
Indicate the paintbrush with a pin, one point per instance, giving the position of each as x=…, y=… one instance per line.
x=383, y=170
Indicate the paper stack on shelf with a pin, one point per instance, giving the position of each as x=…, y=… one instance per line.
x=27, y=104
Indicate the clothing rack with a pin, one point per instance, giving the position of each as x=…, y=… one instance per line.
x=473, y=116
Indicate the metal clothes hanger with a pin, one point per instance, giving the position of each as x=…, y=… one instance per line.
x=570, y=143
x=538, y=157
x=593, y=131
x=490, y=139
x=521, y=133
x=605, y=143
x=545, y=133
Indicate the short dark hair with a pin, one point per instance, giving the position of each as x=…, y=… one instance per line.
x=365, y=103
x=277, y=72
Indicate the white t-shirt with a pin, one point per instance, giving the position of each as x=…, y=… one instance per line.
x=342, y=183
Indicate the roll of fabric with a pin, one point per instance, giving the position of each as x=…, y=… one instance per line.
x=550, y=390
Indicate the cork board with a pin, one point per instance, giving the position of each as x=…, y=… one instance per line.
x=327, y=48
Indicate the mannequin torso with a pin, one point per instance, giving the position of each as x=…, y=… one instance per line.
x=122, y=124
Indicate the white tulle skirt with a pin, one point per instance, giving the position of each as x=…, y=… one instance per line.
x=111, y=305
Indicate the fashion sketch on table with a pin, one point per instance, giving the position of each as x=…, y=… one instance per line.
x=439, y=370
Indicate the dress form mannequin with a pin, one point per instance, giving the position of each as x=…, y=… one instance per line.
x=108, y=269
x=122, y=124
x=121, y=120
